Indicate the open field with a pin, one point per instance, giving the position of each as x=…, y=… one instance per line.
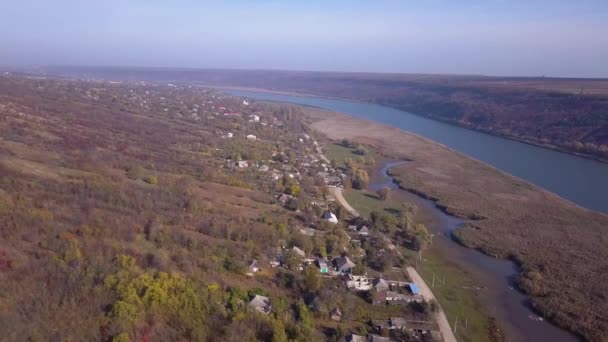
x=560, y=246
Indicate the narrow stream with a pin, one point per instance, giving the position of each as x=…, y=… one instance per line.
x=495, y=277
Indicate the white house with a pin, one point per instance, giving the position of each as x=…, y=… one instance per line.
x=254, y=118
x=330, y=217
x=251, y=137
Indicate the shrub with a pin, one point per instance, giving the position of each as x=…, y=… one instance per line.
x=151, y=179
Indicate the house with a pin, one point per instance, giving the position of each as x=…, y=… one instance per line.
x=352, y=227
x=261, y=304
x=381, y=285
x=263, y=168
x=354, y=338
x=229, y=135
x=245, y=103
x=344, y=264
x=242, y=164
x=336, y=314
x=298, y=251
x=330, y=217
x=322, y=265
x=363, y=231
x=253, y=267
x=254, y=118
x=251, y=137
x=358, y=282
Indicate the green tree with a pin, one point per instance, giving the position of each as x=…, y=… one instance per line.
x=312, y=280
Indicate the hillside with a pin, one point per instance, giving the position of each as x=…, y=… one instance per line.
x=139, y=212
x=570, y=115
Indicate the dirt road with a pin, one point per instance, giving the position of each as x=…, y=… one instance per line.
x=337, y=193
x=444, y=325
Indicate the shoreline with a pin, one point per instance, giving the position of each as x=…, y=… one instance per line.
x=550, y=147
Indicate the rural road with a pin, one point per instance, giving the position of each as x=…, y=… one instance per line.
x=444, y=325
x=337, y=193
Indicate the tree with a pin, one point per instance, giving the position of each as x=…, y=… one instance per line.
x=383, y=193
x=312, y=280
x=361, y=179
x=278, y=331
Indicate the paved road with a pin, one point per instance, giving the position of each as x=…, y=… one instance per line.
x=444, y=325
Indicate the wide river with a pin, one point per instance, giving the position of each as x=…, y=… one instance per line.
x=580, y=180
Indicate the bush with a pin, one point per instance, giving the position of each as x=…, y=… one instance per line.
x=151, y=179
x=383, y=193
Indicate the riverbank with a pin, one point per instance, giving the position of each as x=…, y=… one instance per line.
x=557, y=244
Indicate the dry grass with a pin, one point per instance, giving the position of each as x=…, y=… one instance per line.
x=547, y=235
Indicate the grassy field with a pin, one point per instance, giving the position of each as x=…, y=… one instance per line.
x=339, y=153
x=455, y=296
x=367, y=201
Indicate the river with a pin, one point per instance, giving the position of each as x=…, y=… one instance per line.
x=579, y=180
x=582, y=181
x=494, y=277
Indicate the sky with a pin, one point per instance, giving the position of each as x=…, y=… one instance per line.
x=566, y=38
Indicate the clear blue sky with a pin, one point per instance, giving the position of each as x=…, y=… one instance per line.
x=498, y=37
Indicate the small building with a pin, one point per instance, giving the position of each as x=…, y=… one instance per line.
x=381, y=285
x=344, y=264
x=229, y=135
x=358, y=282
x=251, y=137
x=254, y=118
x=242, y=164
x=336, y=314
x=261, y=304
x=253, y=267
x=363, y=231
x=322, y=265
x=330, y=217
x=298, y=251
x=263, y=168
x=354, y=338
x=377, y=338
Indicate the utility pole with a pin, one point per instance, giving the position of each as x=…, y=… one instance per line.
x=456, y=325
x=433, y=285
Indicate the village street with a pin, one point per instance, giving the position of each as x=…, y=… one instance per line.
x=442, y=320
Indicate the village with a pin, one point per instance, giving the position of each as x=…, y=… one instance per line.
x=257, y=215
x=285, y=170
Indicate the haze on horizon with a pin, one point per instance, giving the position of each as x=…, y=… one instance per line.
x=492, y=37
